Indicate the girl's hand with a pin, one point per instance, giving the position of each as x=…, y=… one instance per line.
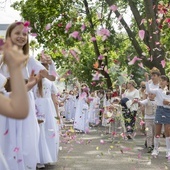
x=33, y=80
x=46, y=59
x=166, y=102
x=135, y=100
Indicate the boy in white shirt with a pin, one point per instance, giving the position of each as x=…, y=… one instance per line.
x=149, y=116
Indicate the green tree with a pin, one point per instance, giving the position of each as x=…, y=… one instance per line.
x=49, y=19
x=149, y=17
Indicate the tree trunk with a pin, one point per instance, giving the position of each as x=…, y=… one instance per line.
x=96, y=49
x=152, y=34
x=156, y=50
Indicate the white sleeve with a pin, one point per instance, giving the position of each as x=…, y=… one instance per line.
x=35, y=65
x=143, y=102
x=52, y=69
x=149, y=90
x=137, y=96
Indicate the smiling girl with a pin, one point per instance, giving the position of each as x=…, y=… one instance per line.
x=20, y=144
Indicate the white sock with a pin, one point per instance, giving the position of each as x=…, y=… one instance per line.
x=167, y=143
x=156, y=142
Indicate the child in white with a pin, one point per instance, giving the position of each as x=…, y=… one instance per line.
x=149, y=117
x=81, y=122
x=49, y=129
x=94, y=109
x=107, y=111
x=69, y=106
x=117, y=124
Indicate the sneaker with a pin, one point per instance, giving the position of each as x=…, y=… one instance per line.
x=150, y=149
x=40, y=166
x=129, y=136
x=167, y=154
x=155, y=152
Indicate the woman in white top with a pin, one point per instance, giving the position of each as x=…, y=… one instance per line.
x=132, y=95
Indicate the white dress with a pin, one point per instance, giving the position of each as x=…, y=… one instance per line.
x=69, y=107
x=94, y=110
x=49, y=129
x=106, y=104
x=3, y=162
x=81, y=116
x=19, y=138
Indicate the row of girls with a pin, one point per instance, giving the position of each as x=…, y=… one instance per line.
x=81, y=107
x=86, y=108
x=33, y=141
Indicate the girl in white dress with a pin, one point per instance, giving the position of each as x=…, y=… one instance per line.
x=81, y=122
x=106, y=103
x=69, y=106
x=46, y=115
x=19, y=138
x=11, y=106
x=94, y=109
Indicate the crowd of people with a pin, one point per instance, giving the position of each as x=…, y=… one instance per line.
x=32, y=109
x=123, y=110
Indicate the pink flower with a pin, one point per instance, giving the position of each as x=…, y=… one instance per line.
x=96, y=76
x=141, y=34
x=26, y=24
x=141, y=65
x=74, y=54
x=16, y=149
x=113, y=8
x=26, y=29
x=100, y=57
x=142, y=123
x=1, y=42
x=83, y=27
x=75, y=35
x=60, y=25
x=68, y=26
x=167, y=20
x=48, y=26
x=104, y=33
x=93, y=38
x=134, y=60
x=33, y=34
x=64, y=53
x=83, y=95
x=163, y=63
x=102, y=141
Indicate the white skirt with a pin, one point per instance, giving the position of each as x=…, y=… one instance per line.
x=49, y=131
x=19, y=140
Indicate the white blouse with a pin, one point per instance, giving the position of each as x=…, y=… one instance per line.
x=160, y=94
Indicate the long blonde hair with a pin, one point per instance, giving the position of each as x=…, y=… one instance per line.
x=8, y=34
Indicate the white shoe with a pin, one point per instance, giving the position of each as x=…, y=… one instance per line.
x=168, y=154
x=155, y=152
x=39, y=166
